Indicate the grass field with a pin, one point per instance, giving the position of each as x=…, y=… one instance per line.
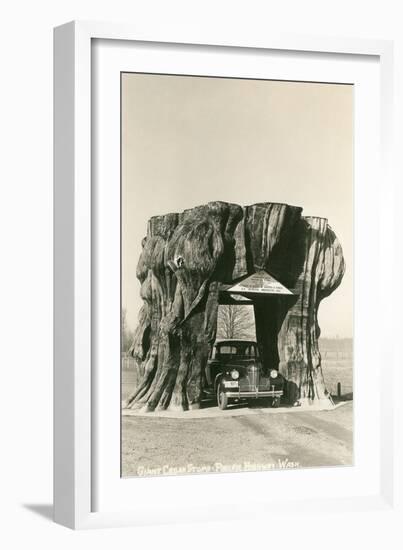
x=337, y=364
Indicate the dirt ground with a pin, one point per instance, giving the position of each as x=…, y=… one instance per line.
x=303, y=439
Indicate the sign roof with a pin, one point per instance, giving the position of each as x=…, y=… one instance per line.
x=259, y=283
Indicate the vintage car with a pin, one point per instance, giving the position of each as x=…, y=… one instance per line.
x=234, y=373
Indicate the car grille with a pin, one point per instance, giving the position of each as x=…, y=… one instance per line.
x=251, y=381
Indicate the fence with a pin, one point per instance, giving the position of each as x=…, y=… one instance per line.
x=339, y=389
x=128, y=362
x=131, y=375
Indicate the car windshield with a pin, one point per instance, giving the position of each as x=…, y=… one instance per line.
x=237, y=349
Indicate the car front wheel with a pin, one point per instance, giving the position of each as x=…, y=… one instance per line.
x=222, y=399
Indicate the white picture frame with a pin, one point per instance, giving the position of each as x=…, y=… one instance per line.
x=77, y=471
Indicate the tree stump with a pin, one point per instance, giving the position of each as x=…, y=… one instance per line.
x=184, y=260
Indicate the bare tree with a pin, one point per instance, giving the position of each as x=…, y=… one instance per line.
x=236, y=322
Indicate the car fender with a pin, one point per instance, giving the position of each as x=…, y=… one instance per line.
x=217, y=380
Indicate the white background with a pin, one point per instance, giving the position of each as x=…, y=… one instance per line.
x=26, y=269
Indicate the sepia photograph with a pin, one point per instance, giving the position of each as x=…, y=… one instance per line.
x=236, y=275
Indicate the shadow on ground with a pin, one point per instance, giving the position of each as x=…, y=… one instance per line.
x=43, y=510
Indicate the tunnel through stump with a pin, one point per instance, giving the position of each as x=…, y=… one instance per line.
x=188, y=257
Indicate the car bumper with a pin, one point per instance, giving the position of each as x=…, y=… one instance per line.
x=253, y=394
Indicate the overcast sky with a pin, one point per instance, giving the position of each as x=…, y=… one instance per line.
x=190, y=140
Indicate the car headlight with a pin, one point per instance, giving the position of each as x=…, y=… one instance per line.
x=234, y=374
x=273, y=373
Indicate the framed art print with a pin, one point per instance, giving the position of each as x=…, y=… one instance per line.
x=221, y=287
x=219, y=226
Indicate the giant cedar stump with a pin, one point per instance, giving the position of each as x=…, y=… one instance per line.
x=184, y=260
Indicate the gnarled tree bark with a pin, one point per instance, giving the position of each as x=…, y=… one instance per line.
x=185, y=258
x=322, y=272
